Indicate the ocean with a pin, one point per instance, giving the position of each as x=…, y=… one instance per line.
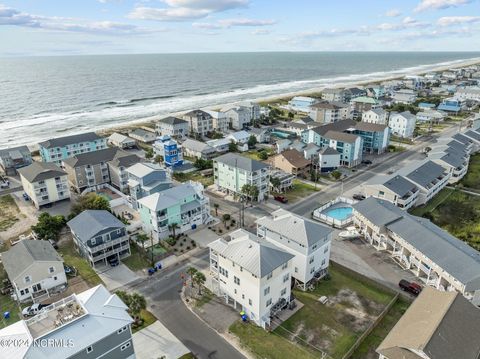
x=44, y=97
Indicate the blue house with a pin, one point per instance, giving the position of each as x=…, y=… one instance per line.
x=426, y=105
x=57, y=149
x=169, y=150
x=451, y=105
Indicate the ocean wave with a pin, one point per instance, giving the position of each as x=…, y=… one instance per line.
x=113, y=113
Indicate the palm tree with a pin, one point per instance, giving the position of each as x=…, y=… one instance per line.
x=200, y=280
x=142, y=238
x=137, y=303
x=191, y=271
x=275, y=183
x=172, y=228
x=216, y=205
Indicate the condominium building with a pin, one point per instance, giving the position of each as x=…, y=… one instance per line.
x=454, y=163
x=432, y=254
x=309, y=242
x=200, y=122
x=173, y=127
x=253, y=274
x=328, y=112
x=232, y=172
x=58, y=149
x=44, y=183
x=186, y=207
x=91, y=324
x=395, y=189
x=402, y=124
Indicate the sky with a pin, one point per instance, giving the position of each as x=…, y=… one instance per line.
x=60, y=27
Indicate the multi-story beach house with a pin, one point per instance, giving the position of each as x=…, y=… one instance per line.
x=220, y=121
x=175, y=210
x=328, y=159
x=198, y=149
x=405, y=96
x=377, y=115
x=402, y=124
x=200, y=122
x=395, y=189
x=170, y=151
x=333, y=94
x=253, y=274
x=309, y=242
x=35, y=270
x=232, y=172
x=238, y=116
x=99, y=237
x=359, y=105
x=328, y=112
x=172, y=126
x=44, y=183
x=91, y=324
x=432, y=254
x=117, y=168
x=58, y=149
x=145, y=179
x=14, y=158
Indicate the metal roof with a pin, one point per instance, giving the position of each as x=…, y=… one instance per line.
x=40, y=171
x=251, y=253
x=400, y=185
x=168, y=198
x=69, y=140
x=244, y=163
x=90, y=223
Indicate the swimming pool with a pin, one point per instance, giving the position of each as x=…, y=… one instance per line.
x=339, y=213
x=281, y=134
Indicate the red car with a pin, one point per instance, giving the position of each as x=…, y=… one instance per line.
x=280, y=199
x=410, y=287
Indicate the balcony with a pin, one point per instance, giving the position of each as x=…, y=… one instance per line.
x=106, y=244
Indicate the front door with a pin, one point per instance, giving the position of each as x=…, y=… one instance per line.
x=36, y=288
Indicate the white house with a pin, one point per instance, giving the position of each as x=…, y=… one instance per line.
x=377, y=115
x=309, y=242
x=239, y=137
x=402, y=124
x=35, y=270
x=406, y=96
x=431, y=116
x=173, y=127
x=252, y=273
x=238, y=116
x=468, y=93
x=220, y=121
x=121, y=141
x=328, y=159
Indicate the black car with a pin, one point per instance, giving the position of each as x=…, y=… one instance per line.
x=367, y=162
x=358, y=197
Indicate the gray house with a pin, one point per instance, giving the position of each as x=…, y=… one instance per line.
x=13, y=158
x=173, y=127
x=91, y=324
x=99, y=237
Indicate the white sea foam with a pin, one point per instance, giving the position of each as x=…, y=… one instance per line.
x=47, y=125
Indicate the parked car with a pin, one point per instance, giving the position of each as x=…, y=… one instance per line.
x=53, y=243
x=34, y=309
x=410, y=287
x=358, y=197
x=70, y=271
x=25, y=197
x=5, y=184
x=367, y=162
x=113, y=261
x=281, y=199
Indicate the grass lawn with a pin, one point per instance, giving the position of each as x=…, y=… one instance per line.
x=266, y=345
x=366, y=350
x=299, y=190
x=456, y=212
x=194, y=176
x=7, y=304
x=252, y=154
x=148, y=318
x=187, y=356
x=8, y=212
x=206, y=297
x=472, y=178
x=73, y=259
x=137, y=260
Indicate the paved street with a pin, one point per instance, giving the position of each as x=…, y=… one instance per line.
x=162, y=292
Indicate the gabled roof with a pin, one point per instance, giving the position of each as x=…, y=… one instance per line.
x=295, y=158
x=443, y=325
x=93, y=157
x=168, y=198
x=141, y=132
x=294, y=227
x=329, y=151
x=170, y=120
x=90, y=223
x=335, y=126
x=40, y=171
x=462, y=138
x=473, y=134
x=378, y=111
x=244, y=163
x=365, y=99
x=25, y=253
x=423, y=173
x=124, y=160
x=197, y=113
x=68, y=140
x=341, y=136
x=252, y=254
x=399, y=185
x=143, y=169
x=119, y=138
x=197, y=146
x=405, y=114
x=8, y=151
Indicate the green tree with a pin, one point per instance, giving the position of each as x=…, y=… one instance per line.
x=199, y=280
x=142, y=238
x=173, y=227
x=336, y=175
x=159, y=158
x=275, y=183
x=225, y=218
x=191, y=271
x=49, y=226
x=202, y=164
x=232, y=147
x=90, y=201
x=250, y=191
x=263, y=155
x=252, y=141
x=134, y=301
x=149, y=153
x=291, y=115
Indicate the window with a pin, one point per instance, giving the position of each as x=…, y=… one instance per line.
x=269, y=275
x=121, y=330
x=286, y=277
x=314, y=247
x=119, y=231
x=236, y=280
x=323, y=262
x=93, y=241
x=249, y=302
x=51, y=270
x=55, y=278
x=89, y=349
x=235, y=291
x=296, y=269
x=243, y=296
x=285, y=265
x=269, y=302
x=266, y=291
x=325, y=250
x=22, y=292
x=311, y=260
x=27, y=279
x=312, y=270
x=125, y=346
x=284, y=291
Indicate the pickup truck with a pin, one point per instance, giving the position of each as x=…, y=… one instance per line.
x=34, y=309
x=410, y=287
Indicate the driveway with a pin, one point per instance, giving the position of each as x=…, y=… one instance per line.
x=203, y=237
x=116, y=277
x=156, y=341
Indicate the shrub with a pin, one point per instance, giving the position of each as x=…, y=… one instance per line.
x=188, y=248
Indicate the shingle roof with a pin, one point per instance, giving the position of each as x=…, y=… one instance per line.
x=7, y=151
x=172, y=120
x=341, y=136
x=198, y=113
x=248, y=251
x=40, y=171
x=144, y=168
x=329, y=151
x=372, y=127
x=25, y=253
x=296, y=228
x=295, y=158
x=125, y=160
x=244, y=163
x=335, y=126
x=89, y=223
x=473, y=134
x=93, y=157
x=399, y=185
x=462, y=138
x=119, y=138
x=197, y=146
x=68, y=140
x=423, y=173
x=443, y=325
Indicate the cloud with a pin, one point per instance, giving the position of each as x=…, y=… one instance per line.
x=228, y=23
x=185, y=10
x=439, y=4
x=441, y=33
x=261, y=32
x=13, y=17
x=393, y=13
x=407, y=23
x=457, y=20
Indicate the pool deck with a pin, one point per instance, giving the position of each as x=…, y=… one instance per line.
x=335, y=206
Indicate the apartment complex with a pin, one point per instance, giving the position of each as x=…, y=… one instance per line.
x=14, y=158
x=44, y=183
x=232, y=172
x=173, y=127
x=199, y=122
x=58, y=149
x=252, y=273
x=328, y=112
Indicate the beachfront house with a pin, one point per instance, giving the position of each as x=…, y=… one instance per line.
x=58, y=149
x=143, y=135
x=378, y=116
x=199, y=122
x=14, y=158
x=93, y=323
x=301, y=103
x=232, y=172
x=121, y=141
x=44, y=183
x=402, y=124
x=327, y=112
x=238, y=116
x=99, y=237
x=145, y=179
x=309, y=242
x=174, y=210
x=35, y=270
x=420, y=246
x=253, y=274
x=172, y=126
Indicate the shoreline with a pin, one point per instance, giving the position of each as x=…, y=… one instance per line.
x=394, y=74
